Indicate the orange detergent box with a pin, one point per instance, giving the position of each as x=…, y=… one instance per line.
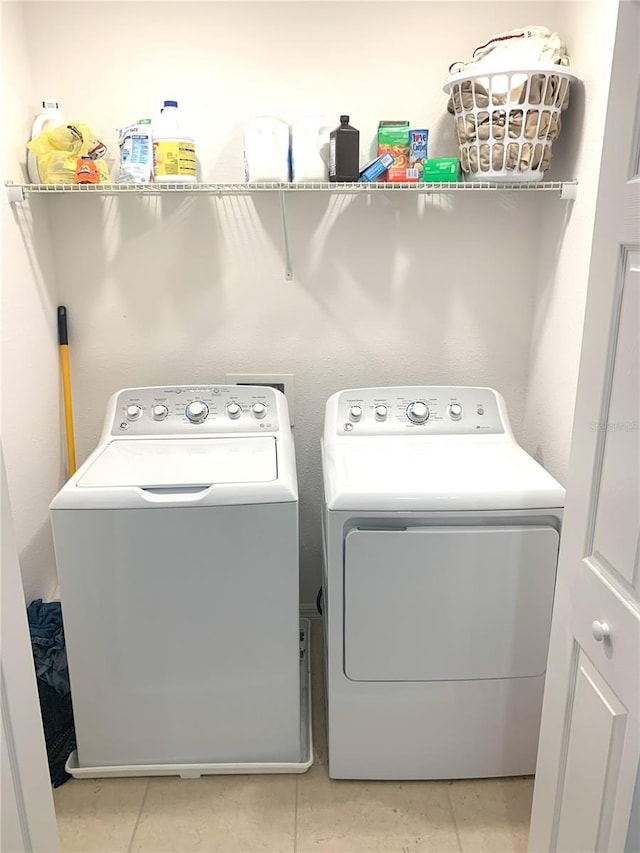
x=393, y=137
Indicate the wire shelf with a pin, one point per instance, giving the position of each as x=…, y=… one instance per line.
x=18, y=192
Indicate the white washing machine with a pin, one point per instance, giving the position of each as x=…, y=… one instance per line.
x=441, y=539
x=177, y=551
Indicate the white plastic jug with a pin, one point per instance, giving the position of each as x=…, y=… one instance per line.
x=266, y=150
x=310, y=143
x=50, y=117
x=174, y=152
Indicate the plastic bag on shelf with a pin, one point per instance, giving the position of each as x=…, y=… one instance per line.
x=59, y=149
x=136, y=153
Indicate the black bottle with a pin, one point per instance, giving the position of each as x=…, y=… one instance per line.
x=344, y=160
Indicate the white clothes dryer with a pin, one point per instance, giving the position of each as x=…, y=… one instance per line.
x=440, y=540
x=177, y=551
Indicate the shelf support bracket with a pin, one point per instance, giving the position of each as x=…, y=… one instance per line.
x=288, y=273
x=569, y=192
x=15, y=192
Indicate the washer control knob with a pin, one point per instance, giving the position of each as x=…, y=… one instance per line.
x=133, y=412
x=259, y=410
x=234, y=411
x=455, y=411
x=160, y=413
x=355, y=413
x=418, y=412
x=197, y=411
x=381, y=413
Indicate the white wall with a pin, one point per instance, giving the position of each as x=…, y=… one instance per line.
x=386, y=290
x=589, y=29
x=30, y=416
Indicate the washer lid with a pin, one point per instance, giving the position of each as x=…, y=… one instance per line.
x=431, y=475
x=182, y=463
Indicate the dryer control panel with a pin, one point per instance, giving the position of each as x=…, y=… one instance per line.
x=419, y=410
x=195, y=410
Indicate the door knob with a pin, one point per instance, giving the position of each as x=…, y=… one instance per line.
x=600, y=630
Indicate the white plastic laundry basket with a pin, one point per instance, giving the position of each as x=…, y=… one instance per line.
x=506, y=121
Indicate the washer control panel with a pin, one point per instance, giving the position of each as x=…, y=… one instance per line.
x=424, y=410
x=195, y=410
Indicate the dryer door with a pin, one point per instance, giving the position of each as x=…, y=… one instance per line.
x=448, y=603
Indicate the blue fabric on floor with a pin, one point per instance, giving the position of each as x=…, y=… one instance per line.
x=50, y=659
x=59, y=732
x=47, y=643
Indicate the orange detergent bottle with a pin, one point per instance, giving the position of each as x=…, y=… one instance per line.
x=86, y=171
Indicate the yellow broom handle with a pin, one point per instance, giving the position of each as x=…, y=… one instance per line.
x=63, y=340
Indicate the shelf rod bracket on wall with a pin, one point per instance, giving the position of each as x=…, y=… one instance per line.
x=15, y=192
x=569, y=191
x=288, y=273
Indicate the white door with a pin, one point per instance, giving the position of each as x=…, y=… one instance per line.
x=590, y=737
x=27, y=820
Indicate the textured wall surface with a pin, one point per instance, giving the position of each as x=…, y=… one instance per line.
x=565, y=242
x=30, y=417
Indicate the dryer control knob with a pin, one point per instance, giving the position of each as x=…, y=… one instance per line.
x=197, y=411
x=355, y=413
x=160, y=413
x=133, y=412
x=418, y=412
x=234, y=411
x=259, y=410
x=455, y=411
x=381, y=413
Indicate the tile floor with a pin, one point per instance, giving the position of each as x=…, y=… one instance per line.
x=247, y=814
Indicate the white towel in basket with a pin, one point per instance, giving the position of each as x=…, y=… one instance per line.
x=520, y=48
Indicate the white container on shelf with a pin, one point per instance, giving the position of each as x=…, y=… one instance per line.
x=310, y=144
x=49, y=118
x=266, y=150
x=174, y=153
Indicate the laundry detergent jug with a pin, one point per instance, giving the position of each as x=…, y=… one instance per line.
x=49, y=118
x=266, y=150
x=174, y=152
x=310, y=149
